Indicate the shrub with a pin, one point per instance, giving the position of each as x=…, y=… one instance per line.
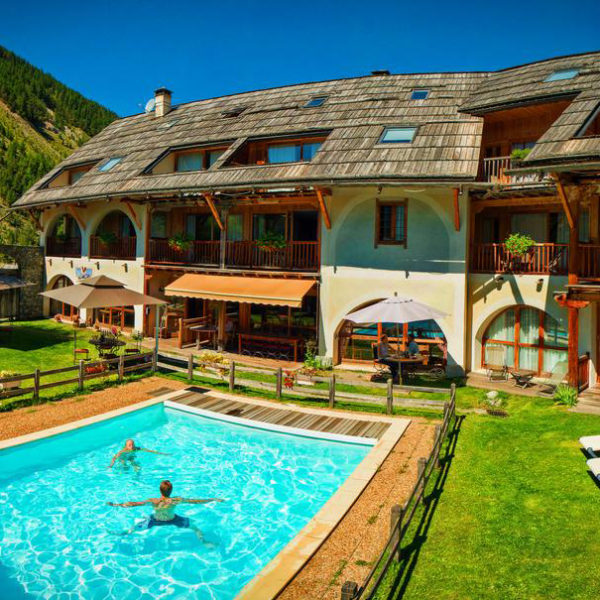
x=518, y=244
x=520, y=153
x=7, y=373
x=107, y=237
x=180, y=242
x=566, y=394
x=271, y=241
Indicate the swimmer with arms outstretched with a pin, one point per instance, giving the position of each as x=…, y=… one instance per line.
x=164, y=509
x=126, y=456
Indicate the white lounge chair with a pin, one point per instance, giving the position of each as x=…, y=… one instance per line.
x=495, y=362
x=559, y=373
x=590, y=443
x=594, y=466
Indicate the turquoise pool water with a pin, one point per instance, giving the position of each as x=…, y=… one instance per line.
x=59, y=540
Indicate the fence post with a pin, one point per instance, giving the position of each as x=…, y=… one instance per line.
x=154, y=362
x=81, y=374
x=279, y=383
x=396, y=515
x=422, y=463
x=232, y=376
x=438, y=442
x=121, y=367
x=390, y=396
x=349, y=590
x=36, y=384
x=190, y=370
x=452, y=399
x=332, y=391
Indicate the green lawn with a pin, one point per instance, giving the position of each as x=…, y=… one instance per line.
x=518, y=515
x=44, y=345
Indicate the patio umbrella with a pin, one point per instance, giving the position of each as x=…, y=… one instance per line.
x=103, y=292
x=396, y=309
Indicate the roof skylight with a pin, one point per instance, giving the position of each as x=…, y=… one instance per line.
x=316, y=101
x=109, y=164
x=419, y=94
x=562, y=74
x=398, y=135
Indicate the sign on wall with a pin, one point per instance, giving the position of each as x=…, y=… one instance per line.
x=83, y=272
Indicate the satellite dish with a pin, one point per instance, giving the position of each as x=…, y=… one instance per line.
x=150, y=105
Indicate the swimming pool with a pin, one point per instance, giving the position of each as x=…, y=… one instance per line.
x=59, y=539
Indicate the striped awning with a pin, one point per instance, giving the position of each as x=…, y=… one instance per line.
x=250, y=290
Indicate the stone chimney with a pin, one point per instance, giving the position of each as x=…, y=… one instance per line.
x=162, y=97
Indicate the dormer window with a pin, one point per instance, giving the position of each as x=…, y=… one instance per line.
x=562, y=74
x=295, y=152
x=70, y=175
x=109, y=164
x=197, y=160
x=316, y=101
x=419, y=94
x=591, y=127
x=398, y=135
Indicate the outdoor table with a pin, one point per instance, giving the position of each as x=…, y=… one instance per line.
x=405, y=360
x=211, y=330
x=106, y=345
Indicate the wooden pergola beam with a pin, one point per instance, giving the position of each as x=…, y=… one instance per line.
x=213, y=210
x=323, y=207
x=516, y=201
x=565, y=203
x=35, y=219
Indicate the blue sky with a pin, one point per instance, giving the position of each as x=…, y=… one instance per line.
x=118, y=52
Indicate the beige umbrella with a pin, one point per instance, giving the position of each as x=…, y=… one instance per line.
x=104, y=292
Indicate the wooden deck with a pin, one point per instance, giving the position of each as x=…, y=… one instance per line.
x=284, y=416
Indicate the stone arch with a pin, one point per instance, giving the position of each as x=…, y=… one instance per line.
x=64, y=236
x=114, y=217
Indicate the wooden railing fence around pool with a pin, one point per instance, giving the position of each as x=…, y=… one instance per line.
x=402, y=515
x=79, y=373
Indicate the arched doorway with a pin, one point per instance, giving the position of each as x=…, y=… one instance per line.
x=532, y=339
x=65, y=311
x=355, y=342
x=64, y=238
x=115, y=237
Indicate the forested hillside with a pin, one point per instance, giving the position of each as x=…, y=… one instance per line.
x=41, y=122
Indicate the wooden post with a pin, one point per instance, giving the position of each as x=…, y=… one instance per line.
x=349, y=590
x=390, y=396
x=121, y=367
x=221, y=334
x=438, y=440
x=81, y=376
x=332, y=391
x=232, y=376
x=154, y=362
x=36, y=384
x=574, y=241
x=396, y=516
x=422, y=463
x=573, y=346
x=279, y=383
x=190, y=370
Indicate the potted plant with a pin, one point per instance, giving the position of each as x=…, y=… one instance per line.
x=180, y=242
x=9, y=385
x=519, y=247
x=58, y=318
x=519, y=154
x=271, y=241
x=107, y=237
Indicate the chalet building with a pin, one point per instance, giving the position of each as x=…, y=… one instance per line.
x=272, y=214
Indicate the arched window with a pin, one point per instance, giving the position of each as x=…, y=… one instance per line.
x=60, y=308
x=533, y=340
x=64, y=238
x=114, y=237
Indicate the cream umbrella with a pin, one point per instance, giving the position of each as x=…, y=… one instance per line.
x=104, y=292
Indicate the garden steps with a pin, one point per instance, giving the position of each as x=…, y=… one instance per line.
x=588, y=402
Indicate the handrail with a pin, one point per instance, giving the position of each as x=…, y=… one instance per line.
x=122, y=247
x=69, y=247
x=494, y=171
x=542, y=259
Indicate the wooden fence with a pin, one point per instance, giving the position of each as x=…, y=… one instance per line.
x=402, y=516
x=78, y=373
x=280, y=381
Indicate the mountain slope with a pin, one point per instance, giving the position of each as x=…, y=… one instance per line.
x=41, y=122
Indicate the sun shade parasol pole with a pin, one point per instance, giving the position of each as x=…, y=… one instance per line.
x=156, y=332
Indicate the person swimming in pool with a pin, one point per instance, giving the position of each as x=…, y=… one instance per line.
x=127, y=455
x=164, y=510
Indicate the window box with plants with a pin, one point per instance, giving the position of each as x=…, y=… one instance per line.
x=180, y=243
x=271, y=242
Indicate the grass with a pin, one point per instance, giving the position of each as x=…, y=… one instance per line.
x=46, y=345
x=517, y=516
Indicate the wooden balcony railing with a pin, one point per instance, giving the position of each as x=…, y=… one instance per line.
x=70, y=247
x=494, y=171
x=200, y=253
x=295, y=256
x=543, y=259
x=589, y=261
x=583, y=372
x=123, y=247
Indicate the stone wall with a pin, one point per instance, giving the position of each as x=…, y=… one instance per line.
x=31, y=268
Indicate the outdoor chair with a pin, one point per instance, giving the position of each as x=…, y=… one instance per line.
x=558, y=375
x=496, y=363
x=522, y=380
x=591, y=444
x=81, y=354
x=382, y=372
x=594, y=466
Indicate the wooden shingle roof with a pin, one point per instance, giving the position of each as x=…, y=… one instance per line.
x=355, y=113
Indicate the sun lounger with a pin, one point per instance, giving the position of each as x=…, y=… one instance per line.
x=591, y=443
x=495, y=363
x=558, y=375
x=594, y=466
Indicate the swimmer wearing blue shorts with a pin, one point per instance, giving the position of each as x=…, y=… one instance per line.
x=164, y=510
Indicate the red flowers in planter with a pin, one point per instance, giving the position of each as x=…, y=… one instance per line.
x=289, y=378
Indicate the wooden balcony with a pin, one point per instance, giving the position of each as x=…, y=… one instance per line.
x=543, y=259
x=200, y=253
x=121, y=248
x=294, y=256
x=70, y=247
x=494, y=171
